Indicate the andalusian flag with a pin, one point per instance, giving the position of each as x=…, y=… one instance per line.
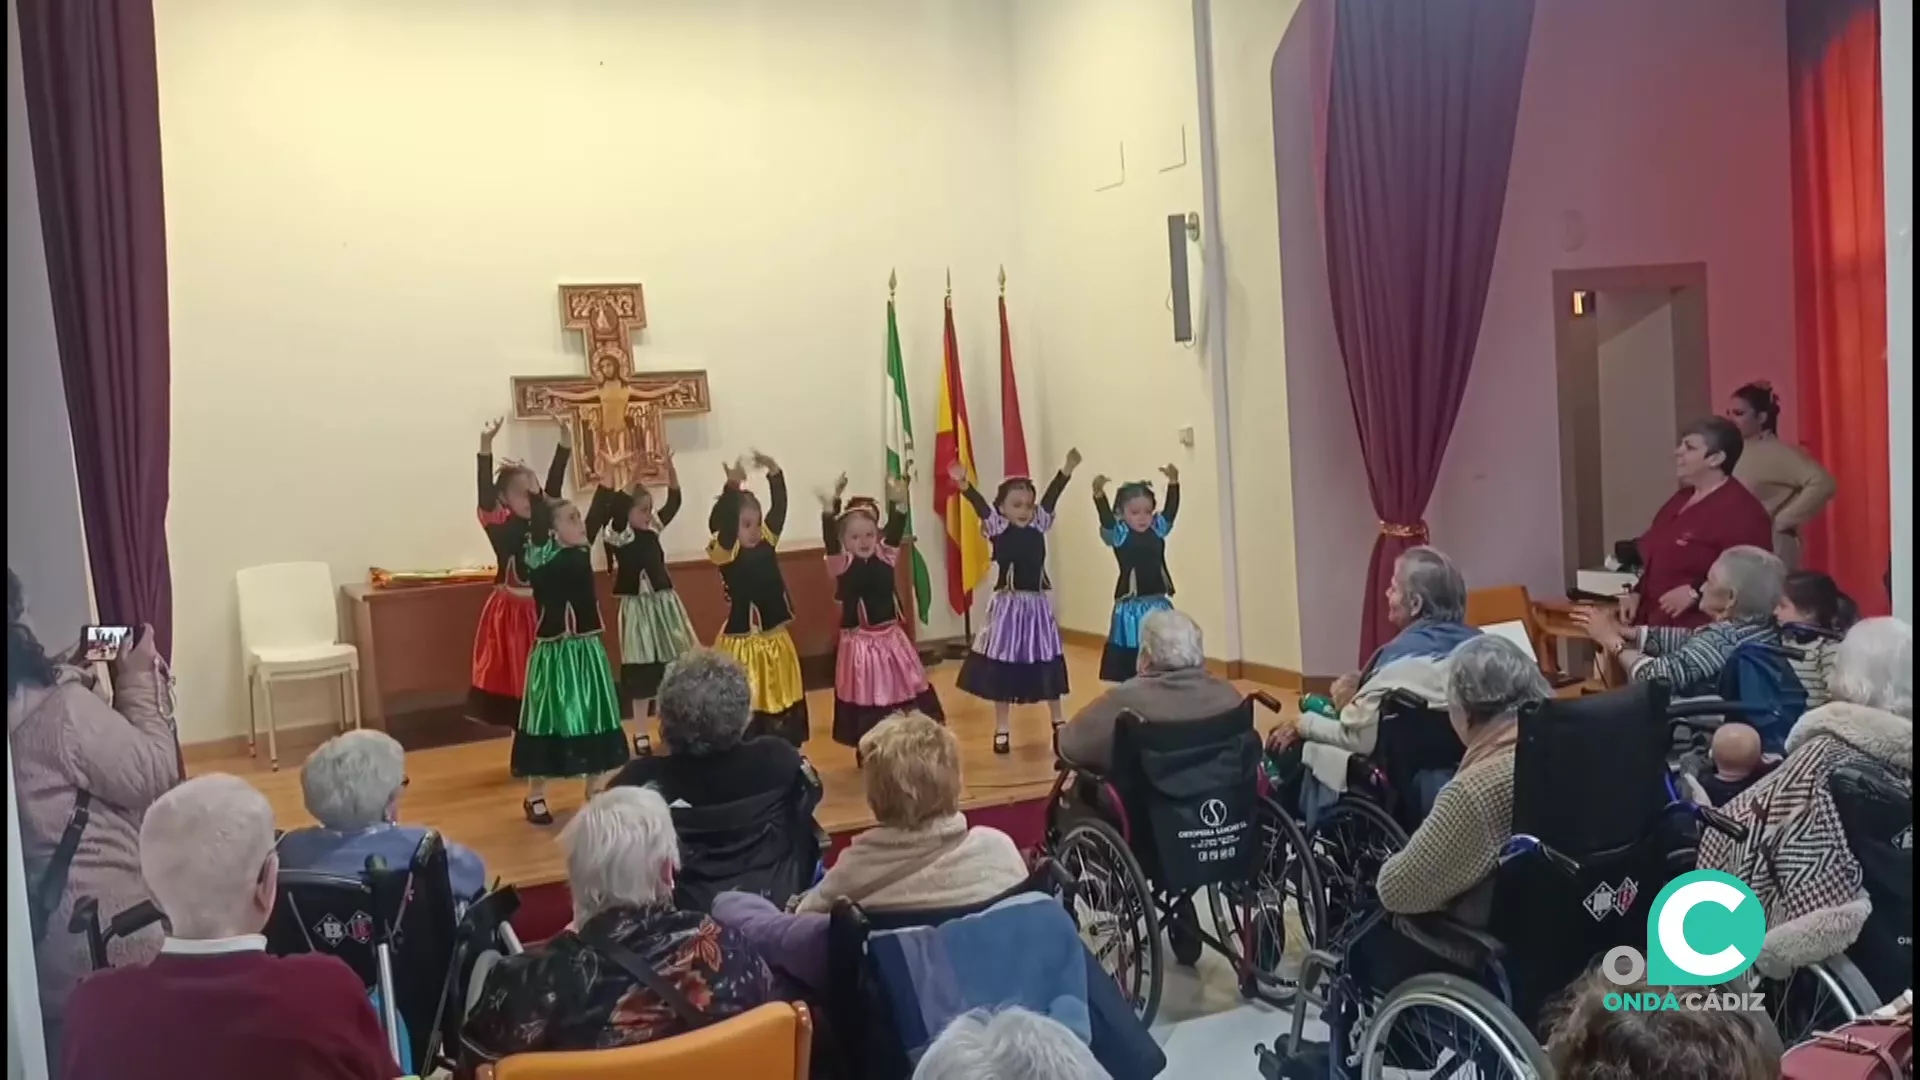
x=967, y=552
x=900, y=449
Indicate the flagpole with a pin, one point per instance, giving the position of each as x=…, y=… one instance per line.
x=966, y=616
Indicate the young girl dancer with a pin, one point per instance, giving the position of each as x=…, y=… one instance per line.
x=877, y=672
x=654, y=628
x=1018, y=658
x=1138, y=537
x=505, y=635
x=744, y=548
x=1814, y=614
x=570, y=720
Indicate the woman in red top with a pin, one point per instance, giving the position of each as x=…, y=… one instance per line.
x=1709, y=514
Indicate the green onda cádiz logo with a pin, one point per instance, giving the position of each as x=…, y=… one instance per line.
x=1704, y=929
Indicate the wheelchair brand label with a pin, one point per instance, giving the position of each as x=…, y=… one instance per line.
x=1705, y=928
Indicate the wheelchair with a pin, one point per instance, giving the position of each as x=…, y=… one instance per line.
x=1387, y=796
x=1876, y=814
x=1184, y=813
x=1599, y=826
x=857, y=1013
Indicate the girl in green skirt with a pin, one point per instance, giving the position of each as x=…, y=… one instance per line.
x=570, y=716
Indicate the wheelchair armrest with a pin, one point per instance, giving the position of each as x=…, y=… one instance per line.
x=1722, y=824
x=85, y=917
x=1451, y=938
x=134, y=919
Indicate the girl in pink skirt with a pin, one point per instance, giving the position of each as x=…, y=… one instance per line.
x=877, y=672
x=1018, y=659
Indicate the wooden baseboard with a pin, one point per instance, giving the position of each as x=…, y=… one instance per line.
x=1277, y=677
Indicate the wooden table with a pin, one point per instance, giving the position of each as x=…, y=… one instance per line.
x=1557, y=621
x=416, y=644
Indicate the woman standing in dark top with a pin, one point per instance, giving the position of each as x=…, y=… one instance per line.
x=1018, y=659
x=570, y=720
x=877, y=671
x=745, y=548
x=505, y=635
x=1138, y=537
x=654, y=627
x=1709, y=514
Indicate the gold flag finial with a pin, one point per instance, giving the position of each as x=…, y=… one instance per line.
x=893, y=282
x=1003, y=279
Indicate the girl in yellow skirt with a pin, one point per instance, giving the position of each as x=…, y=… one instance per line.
x=759, y=609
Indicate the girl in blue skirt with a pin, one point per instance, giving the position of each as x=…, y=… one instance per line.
x=1018, y=658
x=570, y=717
x=1136, y=529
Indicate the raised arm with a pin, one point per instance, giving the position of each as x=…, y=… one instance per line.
x=489, y=499
x=723, y=522
x=1055, y=488
x=895, y=529
x=1102, y=508
x=830, y=528
x=777, y=500
x=1172, y=508
x=979, y=502
x=557, y=470
x=127, y=754
x=671, y=508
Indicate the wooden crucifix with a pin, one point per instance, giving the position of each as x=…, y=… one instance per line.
x=615, y=415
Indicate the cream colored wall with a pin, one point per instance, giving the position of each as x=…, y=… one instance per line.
x=1092, y=317
x=369, y=208
x=1246, y=35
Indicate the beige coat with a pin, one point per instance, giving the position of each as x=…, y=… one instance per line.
x=1790, y=484
x=66, y=738
x=982, y=866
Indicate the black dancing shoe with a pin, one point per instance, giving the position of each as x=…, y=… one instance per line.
x=642, y=744
x=1002, y=743
x=536, y=810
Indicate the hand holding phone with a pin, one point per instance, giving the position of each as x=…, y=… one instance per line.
x=104, y=643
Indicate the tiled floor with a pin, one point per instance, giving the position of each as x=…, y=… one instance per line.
x=1209, y=1031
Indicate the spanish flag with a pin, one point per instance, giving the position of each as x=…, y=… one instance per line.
x=967, y=552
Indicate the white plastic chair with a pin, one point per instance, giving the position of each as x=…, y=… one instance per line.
x=289, y=630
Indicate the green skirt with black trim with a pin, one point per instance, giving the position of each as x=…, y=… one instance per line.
x=570, y=717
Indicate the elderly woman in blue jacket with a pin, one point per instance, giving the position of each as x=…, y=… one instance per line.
x=1427, y=600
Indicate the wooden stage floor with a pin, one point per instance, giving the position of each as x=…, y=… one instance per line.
x=465, y=791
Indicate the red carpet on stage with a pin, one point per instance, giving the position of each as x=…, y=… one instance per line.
x=545, y=910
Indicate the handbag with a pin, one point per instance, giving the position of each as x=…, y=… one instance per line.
x=1871, y=1049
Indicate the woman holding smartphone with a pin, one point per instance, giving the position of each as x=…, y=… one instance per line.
x=84, y=773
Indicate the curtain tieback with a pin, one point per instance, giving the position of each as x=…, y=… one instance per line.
x=1416, y=531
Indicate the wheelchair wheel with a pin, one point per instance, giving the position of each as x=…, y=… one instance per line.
x=1818, y=998
x=1113, y=906
x=1250, y=917
x=1349, y=843
x=1442, y=1025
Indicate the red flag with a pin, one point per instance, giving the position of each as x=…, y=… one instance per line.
x=1015, y=461
x=967, y=551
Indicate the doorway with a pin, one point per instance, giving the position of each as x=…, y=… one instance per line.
x=1632, y=353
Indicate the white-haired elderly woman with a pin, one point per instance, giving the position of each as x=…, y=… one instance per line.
x=1818, y=910
x=705, y=704
x=1173, y=684
x=1427, y=601
x=1012, y=1044
x=352, y=786
x=1741, y=595
x=573, y=993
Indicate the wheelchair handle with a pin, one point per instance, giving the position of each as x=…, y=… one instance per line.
x=1267, y=701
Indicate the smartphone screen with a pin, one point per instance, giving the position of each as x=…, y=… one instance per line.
x=104, y=642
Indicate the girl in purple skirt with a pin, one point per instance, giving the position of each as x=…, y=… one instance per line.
x=1017, y=659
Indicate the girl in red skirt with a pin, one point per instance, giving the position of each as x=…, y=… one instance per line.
x=877, y=672
x=504, y=639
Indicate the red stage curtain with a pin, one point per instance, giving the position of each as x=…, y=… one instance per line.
x=1421, y=109
x=1840, y=279
x=93, y=107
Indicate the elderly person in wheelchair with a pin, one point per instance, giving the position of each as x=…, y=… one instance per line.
x=1173, y=685
x=1427, y=601
x=352, y=786
x=214, y=1004
x=631, y=968
x=1828, y=846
